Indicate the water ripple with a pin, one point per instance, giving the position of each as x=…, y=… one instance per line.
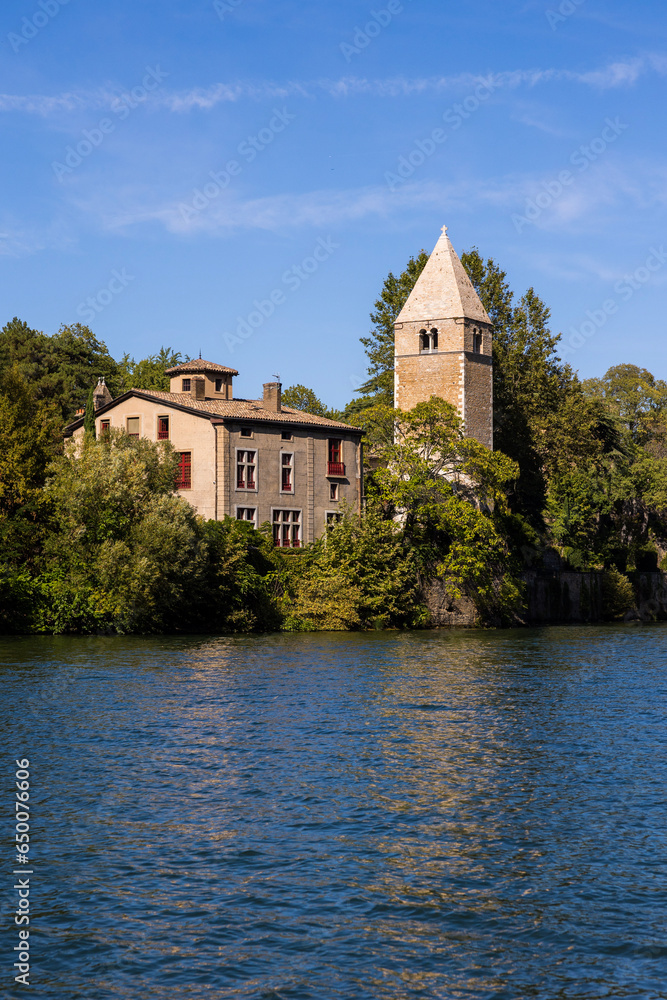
x=362, y=817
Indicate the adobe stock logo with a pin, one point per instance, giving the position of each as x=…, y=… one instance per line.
x=31, y=26
x=98, y=302
x=379, y=20
x=581, y=158
x=566, y=9
x=292, y=279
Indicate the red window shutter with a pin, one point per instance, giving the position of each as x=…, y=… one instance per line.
x=184, y=474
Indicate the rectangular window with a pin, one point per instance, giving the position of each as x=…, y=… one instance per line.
x=286, y=435
x=218, y=385
x=333, y=517
x=286, y=472
x=247, y=514
x=477, y=343
x=335, y=466
x=333, y=491
x=246, y=432
x=186, y=385
x=105, y=426
x=163, y=428
x=133, y=427
x=246, y=467
x=184, y=471
x=287, y=529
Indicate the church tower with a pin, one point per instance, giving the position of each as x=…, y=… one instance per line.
x=443, y=344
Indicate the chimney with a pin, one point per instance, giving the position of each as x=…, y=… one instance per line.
x=101, y=394
x=273, y=396
x=198, y=388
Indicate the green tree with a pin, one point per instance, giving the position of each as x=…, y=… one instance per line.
x=533, y=390
x=149, y=373
x=89, y=417
x=300, y=397
x=29, y=440
x=380, y=344
x=449, y=493
x=61, y=368
x=637, y=398
x=359, y=575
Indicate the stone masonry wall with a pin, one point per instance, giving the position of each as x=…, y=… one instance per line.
x=425, y=375
x=479, y=398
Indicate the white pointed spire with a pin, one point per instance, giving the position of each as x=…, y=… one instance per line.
x=443, y=290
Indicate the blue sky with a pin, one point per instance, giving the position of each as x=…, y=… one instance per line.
x=225, y=176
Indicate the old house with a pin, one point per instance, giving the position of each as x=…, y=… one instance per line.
x=443, y=344
x=252, y=459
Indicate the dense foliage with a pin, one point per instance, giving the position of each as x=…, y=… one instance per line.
x=96, y=539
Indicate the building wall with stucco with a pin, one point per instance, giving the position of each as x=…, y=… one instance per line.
x=187, y=433
x=214, y=443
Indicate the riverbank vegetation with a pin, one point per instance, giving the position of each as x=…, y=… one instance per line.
x=99, y=541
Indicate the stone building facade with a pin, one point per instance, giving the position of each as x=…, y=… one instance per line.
x=251, y=459
x=443, y=342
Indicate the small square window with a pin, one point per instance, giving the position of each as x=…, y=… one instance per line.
x=186, y=385
x=246, y=432
x=286, y=435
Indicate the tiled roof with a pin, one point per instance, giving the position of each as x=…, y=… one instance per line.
x=197, y=366
x=443, y=290
x=249, y=409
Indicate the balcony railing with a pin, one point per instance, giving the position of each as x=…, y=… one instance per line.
x=336, y=469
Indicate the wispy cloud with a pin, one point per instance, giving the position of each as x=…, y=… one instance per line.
x=621, y=73
x=605, y=188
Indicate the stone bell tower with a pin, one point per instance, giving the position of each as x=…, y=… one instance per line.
x=443, y=344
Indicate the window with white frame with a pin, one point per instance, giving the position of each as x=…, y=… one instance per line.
x=334, y=491
x=246, y=470
x=333, y=517
x=286, y=472
x=287, y=529
x=247, y=514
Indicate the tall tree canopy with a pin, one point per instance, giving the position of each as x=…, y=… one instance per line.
x=637, y=398
x=149, y=373
x=61, y=368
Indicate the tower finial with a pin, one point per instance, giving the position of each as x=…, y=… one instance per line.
x=444, y=230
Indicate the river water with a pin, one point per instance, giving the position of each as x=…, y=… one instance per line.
x=341, y=817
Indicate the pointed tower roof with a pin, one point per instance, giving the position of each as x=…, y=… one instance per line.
x=443, y=290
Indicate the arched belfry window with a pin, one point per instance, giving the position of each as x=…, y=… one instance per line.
x=428, y=341
x=477, y=341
